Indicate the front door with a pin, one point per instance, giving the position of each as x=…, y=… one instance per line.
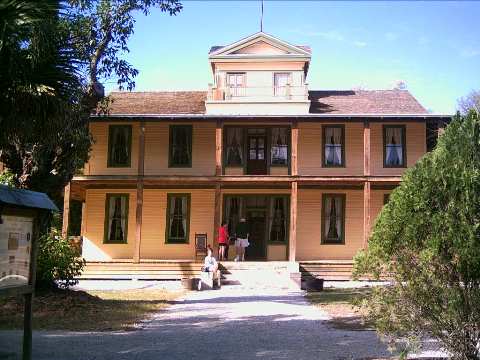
x=257, y=162
x=256, y=220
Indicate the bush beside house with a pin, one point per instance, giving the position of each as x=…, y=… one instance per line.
x=427, y=239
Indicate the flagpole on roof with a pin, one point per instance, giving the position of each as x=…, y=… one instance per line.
x=261, y=19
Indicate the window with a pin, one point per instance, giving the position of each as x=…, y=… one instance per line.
x=234, y=211
x=333, y=222
x=281, y=83
x=394, y=154
x=178, y=218
x=278, y=219
x=236, y=84
x=334, y=146
x=116, y=218
x=256, y=143
x=180, y=153
x=279, y=146
x=234, y=147
x=119, y=145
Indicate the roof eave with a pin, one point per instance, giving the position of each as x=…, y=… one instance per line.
x=323, y=115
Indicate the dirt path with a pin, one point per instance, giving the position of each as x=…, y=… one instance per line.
x=231, y=323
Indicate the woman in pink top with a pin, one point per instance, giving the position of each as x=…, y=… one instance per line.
x=222, y=240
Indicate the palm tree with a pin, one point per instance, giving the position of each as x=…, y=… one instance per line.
x=40, y=95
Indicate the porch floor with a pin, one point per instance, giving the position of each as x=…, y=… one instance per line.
x=155, y=269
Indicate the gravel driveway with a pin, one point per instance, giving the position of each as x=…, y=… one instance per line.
x=230, y=323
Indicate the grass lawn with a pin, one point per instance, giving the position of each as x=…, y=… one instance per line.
x=86, y=311
x=340, y=304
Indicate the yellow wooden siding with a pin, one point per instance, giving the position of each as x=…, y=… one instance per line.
x=157, y=146
x=93, y=247
x=153, y=244
x=97, y=164
x=309, y=218
x=310, y=150
x=376, y=203
x=416, y=146
x=277, y=252
x=278, y=170
x=233, y=170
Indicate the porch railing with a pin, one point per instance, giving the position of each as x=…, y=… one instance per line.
x=257, y=93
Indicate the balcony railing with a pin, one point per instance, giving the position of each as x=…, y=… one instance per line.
x=258, y=93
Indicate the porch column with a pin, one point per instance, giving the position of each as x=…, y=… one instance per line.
x=83, y=225
x=294, y=150
x=217, y=215
x=218, y=147
x=139, y=208
x=366, y=213
x=292, y=241
x=366, y=148
x=66, y=209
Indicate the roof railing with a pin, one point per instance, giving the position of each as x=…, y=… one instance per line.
x=257, y=93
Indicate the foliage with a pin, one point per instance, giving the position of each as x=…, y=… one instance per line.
x=44, y=136
x=7, y=178
x=469, y=102
x=100, y=31
x=58, y=262
x=52, y=56
x=427, y=240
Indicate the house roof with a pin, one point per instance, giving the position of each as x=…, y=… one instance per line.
x=157, y=102
x=347, y=102
x=364, y=102
x=260, y=36
x=215, y=48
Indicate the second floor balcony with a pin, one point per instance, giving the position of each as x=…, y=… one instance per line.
x=257, y=100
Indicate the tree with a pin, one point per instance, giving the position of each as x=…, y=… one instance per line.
x=44, y=136
x=100, y=31
x=469, y=102
x=426, y=240
x=53, y=56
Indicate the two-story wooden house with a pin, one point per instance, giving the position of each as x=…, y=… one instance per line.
x=309, y=170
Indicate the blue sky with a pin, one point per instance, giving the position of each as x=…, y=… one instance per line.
x=433, y=46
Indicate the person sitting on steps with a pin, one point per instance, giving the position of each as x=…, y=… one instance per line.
x=210, y=273
x=210, y=264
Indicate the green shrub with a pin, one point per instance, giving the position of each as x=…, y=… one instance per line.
x=7, y=178
x=427, y=240
x=59, y=263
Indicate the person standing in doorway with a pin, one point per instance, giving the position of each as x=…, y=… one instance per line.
x=241, y=243
x=222, y=241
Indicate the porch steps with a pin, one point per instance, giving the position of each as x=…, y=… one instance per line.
x=247, y=274
x=145, y=270
x=327, y=269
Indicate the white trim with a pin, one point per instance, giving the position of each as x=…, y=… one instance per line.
x=379, y=116
x=269, y=39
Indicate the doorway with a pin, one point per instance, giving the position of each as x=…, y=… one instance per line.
x=256, y=154
x=256, y=220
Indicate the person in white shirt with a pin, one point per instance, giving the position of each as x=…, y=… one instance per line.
x=210, y=264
